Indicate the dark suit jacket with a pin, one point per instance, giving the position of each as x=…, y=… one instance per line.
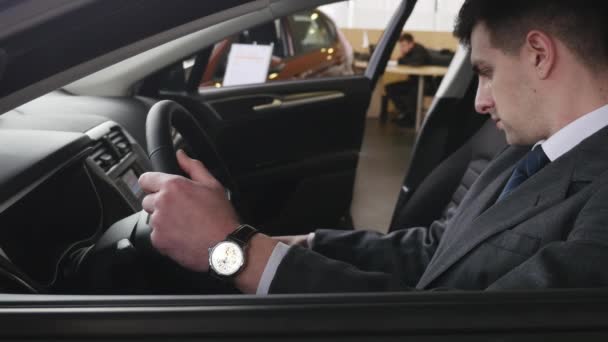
x=550, y=232
x=418, y=55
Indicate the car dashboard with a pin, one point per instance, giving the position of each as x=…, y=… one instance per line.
x=60, y=189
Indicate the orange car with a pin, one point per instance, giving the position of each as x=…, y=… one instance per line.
x=305, y=45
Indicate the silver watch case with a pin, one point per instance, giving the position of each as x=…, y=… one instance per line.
x=233, y=267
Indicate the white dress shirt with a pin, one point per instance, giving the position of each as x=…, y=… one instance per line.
x=554, y=147
x=574, y=133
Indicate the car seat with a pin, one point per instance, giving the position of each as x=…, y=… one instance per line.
x=440, y=193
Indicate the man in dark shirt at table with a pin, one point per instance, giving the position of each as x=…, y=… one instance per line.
x=403, y=93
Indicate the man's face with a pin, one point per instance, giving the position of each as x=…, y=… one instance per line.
x=405, y=47
x=506, y=90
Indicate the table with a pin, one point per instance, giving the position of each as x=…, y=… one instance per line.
x=420, y=71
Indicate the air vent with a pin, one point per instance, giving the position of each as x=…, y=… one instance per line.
x=104, y=156
x=118, y=139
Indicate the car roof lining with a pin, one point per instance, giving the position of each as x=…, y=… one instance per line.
x=91, y=50
x=120, y=78
x=22, y=14
x=270, y=8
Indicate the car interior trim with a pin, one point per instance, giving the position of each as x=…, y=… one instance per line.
x=372, y=315
x=280, y=87
x=99, y=131
x=20, y=17
x=119, y=55
x=459, y=72
x=7, y=203
x=115, y=81
x=298, y=100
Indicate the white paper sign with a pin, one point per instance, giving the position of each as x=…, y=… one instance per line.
x=247, y=64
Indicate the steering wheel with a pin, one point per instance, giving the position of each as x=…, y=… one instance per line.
x=127, y=242
x=163, y=118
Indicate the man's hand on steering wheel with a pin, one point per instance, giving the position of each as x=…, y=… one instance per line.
x=187, y=215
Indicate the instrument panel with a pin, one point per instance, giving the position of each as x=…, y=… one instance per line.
x=83, y=184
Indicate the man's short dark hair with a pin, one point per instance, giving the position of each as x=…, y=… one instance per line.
x=406, y=37
x=582, y=25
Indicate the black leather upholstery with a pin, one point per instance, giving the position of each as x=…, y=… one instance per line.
x=443, y=189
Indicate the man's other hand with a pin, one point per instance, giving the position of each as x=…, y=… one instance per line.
x=187, y=216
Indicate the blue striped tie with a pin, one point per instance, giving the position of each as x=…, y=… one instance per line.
x=525, y=168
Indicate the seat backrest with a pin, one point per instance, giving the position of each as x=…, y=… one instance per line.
x=442, y=190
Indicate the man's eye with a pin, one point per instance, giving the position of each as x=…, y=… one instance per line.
x=485, y=73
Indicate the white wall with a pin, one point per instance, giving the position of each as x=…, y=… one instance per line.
x=428, y=15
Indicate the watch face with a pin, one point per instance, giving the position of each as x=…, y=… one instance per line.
x=226, y=258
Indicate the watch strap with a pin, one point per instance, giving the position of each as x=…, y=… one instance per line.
x=242, y=234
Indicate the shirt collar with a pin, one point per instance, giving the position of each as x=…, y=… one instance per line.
x=574, y=133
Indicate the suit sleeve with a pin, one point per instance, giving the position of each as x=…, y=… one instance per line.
x=578, y=262
x=358, y=261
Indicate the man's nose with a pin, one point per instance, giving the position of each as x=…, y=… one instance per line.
x=484, y=103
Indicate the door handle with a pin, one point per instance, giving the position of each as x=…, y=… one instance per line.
x=275, y=104
x=299, y=100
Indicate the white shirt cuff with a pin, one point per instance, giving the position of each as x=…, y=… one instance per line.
x=310, y=239
x=278, y=253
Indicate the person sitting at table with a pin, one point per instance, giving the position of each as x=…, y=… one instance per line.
x=403, y=93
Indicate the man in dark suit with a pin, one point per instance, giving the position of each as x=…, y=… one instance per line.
x=412, y=52
x=403, y=93
x=537, y=217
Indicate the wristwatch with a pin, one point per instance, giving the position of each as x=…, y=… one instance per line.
x=227, y=258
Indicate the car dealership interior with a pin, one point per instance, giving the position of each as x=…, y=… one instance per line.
x=387, y=146
x=266, y=170
x=337, y=40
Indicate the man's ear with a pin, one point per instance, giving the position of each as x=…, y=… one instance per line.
x=541, y=51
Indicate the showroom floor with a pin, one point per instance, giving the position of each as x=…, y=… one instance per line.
x=384, y=158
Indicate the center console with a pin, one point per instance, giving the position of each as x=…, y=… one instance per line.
x=117, y=156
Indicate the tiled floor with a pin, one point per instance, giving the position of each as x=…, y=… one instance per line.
x=383, y=161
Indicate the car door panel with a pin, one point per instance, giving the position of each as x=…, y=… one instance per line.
x=293, y=148
x=292, y=145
